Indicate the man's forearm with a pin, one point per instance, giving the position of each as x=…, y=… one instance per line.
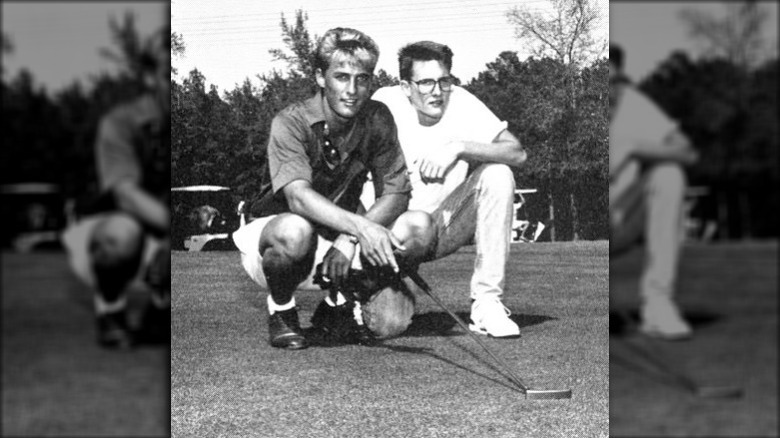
x=675, y=147
x=509, y=153
x=306, y=202
x=674, y=153
x=387, y=208
x=505, y=149
x=143, y=206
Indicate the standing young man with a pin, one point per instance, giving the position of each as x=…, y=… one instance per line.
x=647, y=184
x=319, y=153
x=130, y=238
x=459, y=155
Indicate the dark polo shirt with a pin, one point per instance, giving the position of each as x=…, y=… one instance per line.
x=295, y=152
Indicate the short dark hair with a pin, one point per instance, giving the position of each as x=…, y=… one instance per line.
x=422, y=51
x=616, y=55
x=340, y=42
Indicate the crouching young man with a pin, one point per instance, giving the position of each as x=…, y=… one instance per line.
x=308, y=208
x=127, y=238
x=460, y=156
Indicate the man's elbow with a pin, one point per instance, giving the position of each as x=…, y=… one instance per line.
x=519, y=156
x=691, y=157
x=296, y=204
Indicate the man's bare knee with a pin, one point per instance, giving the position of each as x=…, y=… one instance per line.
x=668, y=175
x=289, y=235
x=116, y=239
x=116, y=248
x=416, y=230
x=495, y=176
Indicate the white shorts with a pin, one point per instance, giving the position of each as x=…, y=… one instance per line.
x=76, y=238
x=247, y=239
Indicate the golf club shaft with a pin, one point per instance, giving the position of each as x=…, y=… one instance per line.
x=653, y=357
x=417, y=279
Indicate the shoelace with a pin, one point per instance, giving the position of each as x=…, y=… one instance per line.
x=491, y=302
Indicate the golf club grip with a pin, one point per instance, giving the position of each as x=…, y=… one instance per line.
x=417, y=279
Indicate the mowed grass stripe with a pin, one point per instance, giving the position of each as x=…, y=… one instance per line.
x=227, y=381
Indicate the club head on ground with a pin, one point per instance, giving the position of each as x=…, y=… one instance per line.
x=547, y=394
x=721, y=391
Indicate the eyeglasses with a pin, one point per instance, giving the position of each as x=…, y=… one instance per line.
x=427, y=85
x=331, y=154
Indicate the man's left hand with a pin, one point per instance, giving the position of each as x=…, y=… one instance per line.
x=437, y=162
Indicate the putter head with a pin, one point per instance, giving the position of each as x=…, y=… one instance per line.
x=723, y=391
x=547, y=394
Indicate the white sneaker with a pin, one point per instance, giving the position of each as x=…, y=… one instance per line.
x=490, y=317
x=662, y=319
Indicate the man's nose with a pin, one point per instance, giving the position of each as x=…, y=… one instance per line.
x=352, y=87
x=436, y=89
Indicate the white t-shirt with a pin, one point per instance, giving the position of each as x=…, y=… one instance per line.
x=466, y=119
x=637, y=120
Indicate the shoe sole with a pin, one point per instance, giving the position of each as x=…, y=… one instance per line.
x=665, y=336
x=481, y=331
x=284, y=342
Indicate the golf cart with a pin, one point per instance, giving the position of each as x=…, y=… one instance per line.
x=523, y=229
x=33, y=216
x=203, y=218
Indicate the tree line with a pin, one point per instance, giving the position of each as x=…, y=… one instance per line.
x=556, y=105
x=559, y=113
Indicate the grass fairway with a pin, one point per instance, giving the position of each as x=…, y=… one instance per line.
x=56, y=380
x=433, y=381
x=729, y=293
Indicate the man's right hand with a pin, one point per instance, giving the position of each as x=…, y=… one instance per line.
x=335, y=266
x=378, y=244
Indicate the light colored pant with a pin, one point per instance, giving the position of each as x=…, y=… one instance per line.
x=76, y=238
x=479, y=211
x=247, y=239
x=652, y=208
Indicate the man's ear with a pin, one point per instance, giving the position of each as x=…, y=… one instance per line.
x=407, y=87
x=320, y=77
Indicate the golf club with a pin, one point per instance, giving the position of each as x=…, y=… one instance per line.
x=533, y=394
x=678, y=376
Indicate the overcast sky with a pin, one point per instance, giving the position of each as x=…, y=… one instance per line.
x=59, y=41
x=650, y=31
x=229, y=40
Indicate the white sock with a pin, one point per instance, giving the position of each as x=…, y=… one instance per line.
x=102, y=306
x=273, y=307
x=339, y=300
x=357, y=313
x=161, y=301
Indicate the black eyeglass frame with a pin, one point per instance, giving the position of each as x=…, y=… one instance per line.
x=449, y=81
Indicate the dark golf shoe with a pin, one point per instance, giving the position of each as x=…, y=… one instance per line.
x=113, y=331
x=155, y=326
x=284, y=330
x=339, y=325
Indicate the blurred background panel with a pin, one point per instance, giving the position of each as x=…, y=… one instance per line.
x=64, y=65
x=713, y=68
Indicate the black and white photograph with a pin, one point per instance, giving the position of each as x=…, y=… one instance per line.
x=85, y=223
x=693, y=171
x=438, y=265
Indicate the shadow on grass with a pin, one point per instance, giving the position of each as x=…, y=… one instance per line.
x=625, y=322
x=442, y=324
x=630, y=358
x=426, y=351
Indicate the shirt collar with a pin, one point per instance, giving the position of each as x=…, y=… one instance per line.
x=313, y=109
